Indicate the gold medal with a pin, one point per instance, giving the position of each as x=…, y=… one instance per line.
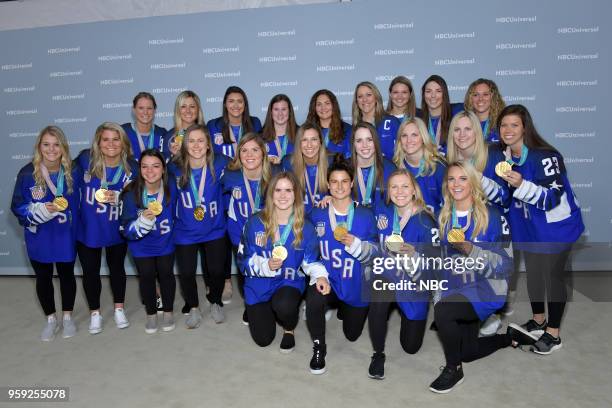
x=101, y=195
x=178, y=139
x=279, y=252
x=502, y=167
x=340, y=232
x=60, y=203
x=394, y=238
x=198, y=213
x=155, y=207
x=455, y=235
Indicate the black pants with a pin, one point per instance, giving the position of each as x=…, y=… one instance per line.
x=546, y=283
x=516, y=258
x=458, y=327
x=160, y=267
x=353, y=318
x=212, y=259
x=283, y=306
x=411, y=331
x=44, y=285
x=91, y=261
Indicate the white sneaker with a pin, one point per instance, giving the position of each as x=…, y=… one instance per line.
x=121, y=319
x=70, y=328
x=95, y=323
x=226, y=297
x=490, y=326
x=51, y=328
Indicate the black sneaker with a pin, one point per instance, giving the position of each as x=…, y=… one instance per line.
x=447, y=380
x=546, y=344
x=317, y=362
x=519, y=336
x=377, y=366
x=532, y=327
x=287, y=343
x=433, y=326
x=186, y=309
x=245, y=318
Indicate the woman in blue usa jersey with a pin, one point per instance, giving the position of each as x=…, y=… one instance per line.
x=227, y=130
x=475, y=268
x=437, y=110
x=309, y=163
x=416, y=152
x=143, y=133
x=199, y=225
x=405, y=227
x=104, y=170
x=545, y=221
x=346, y=237
x=368, y=107
x=371, y=169
x=244, y=183
x=324, y=110
x=465, y=143
x=147, y=221
x=187, y=112
x=484, y=99
x=46, y=203
x=402, y=103
x=279, y=128
x=278, y=246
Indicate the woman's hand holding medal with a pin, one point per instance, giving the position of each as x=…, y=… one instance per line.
x=514, y=178
x=52, y=208
x=148, y=214
x=275, y=263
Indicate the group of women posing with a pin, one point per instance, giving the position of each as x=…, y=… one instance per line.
x=307, y=211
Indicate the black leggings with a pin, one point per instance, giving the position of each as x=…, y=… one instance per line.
x=546, y=283
x=160, y=267
x=353, y=318
x=91, y=260
x=44, y=285
x=283, y=306
x=458, y=327
x=411, y=331
x=212, y=259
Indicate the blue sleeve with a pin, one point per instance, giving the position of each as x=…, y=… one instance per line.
x=21, y=200
x=548, y=186
x=248, y=260
x=129, y=224
x=497, y=262
x=495, y=188
x=256, y=124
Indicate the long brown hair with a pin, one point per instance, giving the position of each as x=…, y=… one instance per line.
x=268, y=213
x=445, y=115
x=268, y=133
x=183, y=161
x=378, y=157
x=336, y=133
x=410, y=110
x=298, y=164
x=531, y=137
x=247, y=126
x=497, y=102
x=138, y=185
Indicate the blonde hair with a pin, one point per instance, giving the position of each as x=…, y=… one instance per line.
x=430, y=152
x=268, y=217
x=480, y=213
x=266, y=170
x=96, y=158
x=298, y=164
x=379, y=110
x=178, y=122
x=497, y=102
x=417, y=200
x=410, y=109
x=66, y=161
x=481, y=150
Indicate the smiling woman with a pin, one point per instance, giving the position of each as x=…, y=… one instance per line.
x=143, y=133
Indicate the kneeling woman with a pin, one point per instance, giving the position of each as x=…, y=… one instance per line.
x=276, y=243
x=471, y=235
x=347, y=237
x=147, y=223
x=406, y=227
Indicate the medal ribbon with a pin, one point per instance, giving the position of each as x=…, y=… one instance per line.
x=349, y=219
x=485, y=130
x=247, y=186
x=367, y=199
x=400, y=224
x=139, y=137
x=281, y=150
x=510, y=159
x=325, y=136
x=435, y=137
x=286, y=231
x=310, y=192
x=455, y=221
x=56, y=191
x=104, y=183
x=197, y=195
x=158, y=197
